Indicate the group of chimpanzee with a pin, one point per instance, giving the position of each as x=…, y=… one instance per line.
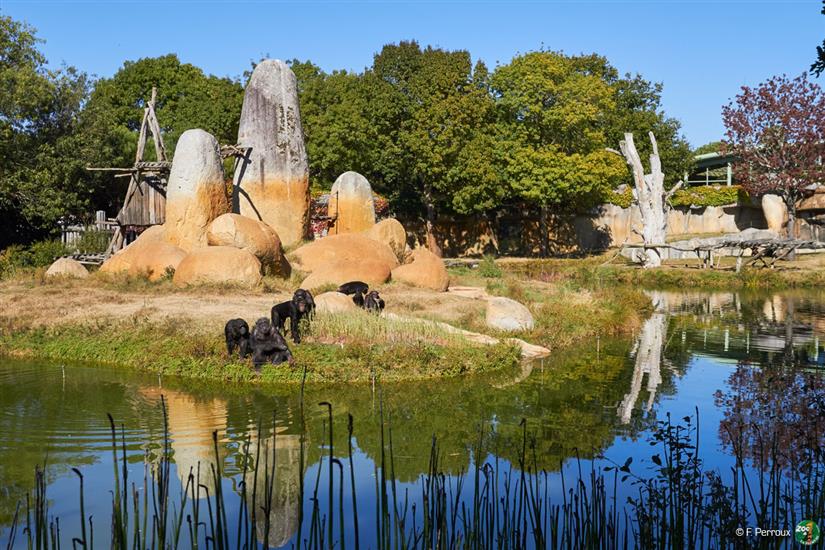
x=266, y=342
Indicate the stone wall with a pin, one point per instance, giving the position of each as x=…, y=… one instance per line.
x=518, y=232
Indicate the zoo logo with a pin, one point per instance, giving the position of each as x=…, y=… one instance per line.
x=806, y=532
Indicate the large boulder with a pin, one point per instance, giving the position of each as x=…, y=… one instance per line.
x=272, y=182
x=351, y=204
x=390, y=232
x=148, y=256
x=506, y=314
x=776, y=213
x=219, y=265
x=425, y=270
x=351, y=248
x=338, y=272
x=251, y=235
x=67, y=267
x=334, y=302
x=196, y=193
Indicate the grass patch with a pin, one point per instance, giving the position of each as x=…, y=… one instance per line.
x=397, y=351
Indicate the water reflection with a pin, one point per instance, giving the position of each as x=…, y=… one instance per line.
x=576, y=403
x=647, y=352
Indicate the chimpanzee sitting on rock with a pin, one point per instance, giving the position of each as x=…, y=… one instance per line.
x=237, y=336
x=268, y=346
x=373, y=302
x=301, y=305
x=358, y=289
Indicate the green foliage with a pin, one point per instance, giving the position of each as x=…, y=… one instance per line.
x=487, y=268
x=712, y=147
x=700, y=196
x=623, y=198
x=39, y=254
x=92, y=241
x=709, y=195
x=429, y=128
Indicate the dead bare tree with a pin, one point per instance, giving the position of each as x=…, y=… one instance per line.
x=649, y=193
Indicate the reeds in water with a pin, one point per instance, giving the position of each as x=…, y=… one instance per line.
x=676, y=504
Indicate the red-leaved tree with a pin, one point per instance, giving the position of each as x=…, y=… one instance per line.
x=777, y=131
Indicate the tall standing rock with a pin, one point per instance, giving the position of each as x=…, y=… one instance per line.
x=272, y=182
x=196, y=193
x=351, y=204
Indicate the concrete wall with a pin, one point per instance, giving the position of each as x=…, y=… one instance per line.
x=518, y=234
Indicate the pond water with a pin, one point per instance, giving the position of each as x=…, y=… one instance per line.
x=739, y=359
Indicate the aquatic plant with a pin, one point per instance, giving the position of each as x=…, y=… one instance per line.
x=675, y=503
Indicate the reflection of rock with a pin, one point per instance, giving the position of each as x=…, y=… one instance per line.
x=351, y=204
x=285, y=510
x=273, y=181
x=191, y=423
x=648, y=351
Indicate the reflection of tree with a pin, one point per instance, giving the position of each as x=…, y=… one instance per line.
x=648, y=352
x=769, y=406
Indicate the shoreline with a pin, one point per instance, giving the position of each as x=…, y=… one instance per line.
x=156, y=328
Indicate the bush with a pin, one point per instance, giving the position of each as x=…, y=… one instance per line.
x=487, y=268
x=709, y=195
x=701, y=196
x=39, y=254
x=93, y=241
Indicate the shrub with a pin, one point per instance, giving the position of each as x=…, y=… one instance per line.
x=701, y=196
x=709, y=195
x=487, y=268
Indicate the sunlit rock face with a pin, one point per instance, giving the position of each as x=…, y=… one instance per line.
x=272, y=182
x=196, y=193
x=351, y=204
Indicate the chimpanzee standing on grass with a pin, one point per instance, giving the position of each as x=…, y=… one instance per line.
x=237, y=336
x=301, y=305
x=373, y=302
x=268, y=346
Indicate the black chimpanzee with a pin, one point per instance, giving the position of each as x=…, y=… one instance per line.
x=358, y=289
x=301, y=305
x=237, y=336
x=373, y=302
x=268, y=346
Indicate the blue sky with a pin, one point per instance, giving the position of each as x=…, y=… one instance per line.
x=701, y=51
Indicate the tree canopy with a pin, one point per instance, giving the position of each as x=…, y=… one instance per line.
x=778, y=130
x=432, y=129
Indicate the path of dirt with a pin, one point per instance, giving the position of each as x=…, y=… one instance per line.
x=48, y=303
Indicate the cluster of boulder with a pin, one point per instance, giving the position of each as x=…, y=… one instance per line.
x=210, y=237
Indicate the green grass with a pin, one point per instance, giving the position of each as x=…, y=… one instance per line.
x=170, y=348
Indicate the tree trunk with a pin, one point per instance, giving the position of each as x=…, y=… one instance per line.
x=432, y=241
x=544, y=248
x=790, y=229
x=649, y=192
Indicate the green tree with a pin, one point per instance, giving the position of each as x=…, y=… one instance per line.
x=555, y=111
x=41, y=173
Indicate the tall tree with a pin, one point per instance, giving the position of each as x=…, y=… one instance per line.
x=555, y=111
x=39, y=110
x=778, y=131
